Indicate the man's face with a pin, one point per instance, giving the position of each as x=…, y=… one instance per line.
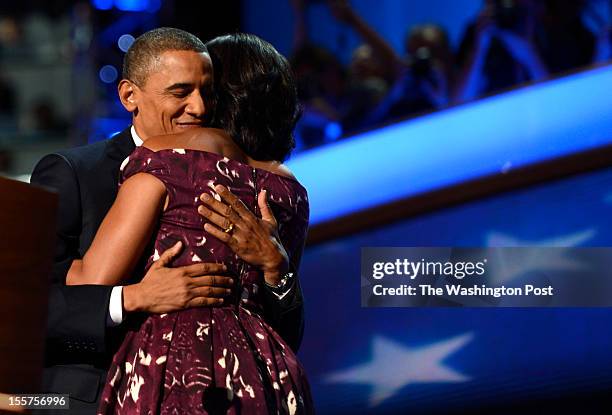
x=174, y=95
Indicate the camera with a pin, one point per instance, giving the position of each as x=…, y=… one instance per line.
x=422, y=63
x=510, y=14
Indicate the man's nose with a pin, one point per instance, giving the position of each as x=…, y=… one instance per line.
x=196, y=105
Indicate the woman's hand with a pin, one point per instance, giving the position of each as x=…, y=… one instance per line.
x=253, y=239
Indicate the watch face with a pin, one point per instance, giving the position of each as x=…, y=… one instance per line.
x=285, y=279
x=282, y=283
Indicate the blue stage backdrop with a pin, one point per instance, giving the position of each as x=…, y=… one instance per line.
x=393, y=360
x=486, y=137
x=423, y=360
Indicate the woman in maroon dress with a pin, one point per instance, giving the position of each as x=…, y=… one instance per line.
x=223, y=359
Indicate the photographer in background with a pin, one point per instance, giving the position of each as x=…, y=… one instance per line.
x=499, y=50
x=423, y=81
x=322, y=84
x=418, y=83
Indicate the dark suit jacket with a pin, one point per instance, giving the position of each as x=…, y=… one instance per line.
x=79, y=343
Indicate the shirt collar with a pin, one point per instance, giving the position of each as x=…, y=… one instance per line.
x=137, y=140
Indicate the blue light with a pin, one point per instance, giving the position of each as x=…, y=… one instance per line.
x=102, y=4
x=154, y=6
x=125, y=41
x=507, y=131
x=333, y=131
x=103, y=128
x=132, y=5
x=108, y=74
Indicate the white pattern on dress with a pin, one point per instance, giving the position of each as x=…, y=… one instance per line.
x=247, y=388
x=223, y=169
x=124, y=163
x=202, y=329
x=221, y=360
x=145, y=358
x=136, y=383
x=195, y=376
x=291, y=403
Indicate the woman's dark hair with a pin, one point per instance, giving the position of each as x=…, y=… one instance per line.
x=256, y=96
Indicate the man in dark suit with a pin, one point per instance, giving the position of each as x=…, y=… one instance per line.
x=166, y=81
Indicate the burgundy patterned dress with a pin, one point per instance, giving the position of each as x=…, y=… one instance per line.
x=210, y=360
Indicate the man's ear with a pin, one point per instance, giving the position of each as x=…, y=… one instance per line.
x=128, y=95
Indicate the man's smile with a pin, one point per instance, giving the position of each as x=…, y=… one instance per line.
x=190, y=124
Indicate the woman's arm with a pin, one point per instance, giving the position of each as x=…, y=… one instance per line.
x=123, y=235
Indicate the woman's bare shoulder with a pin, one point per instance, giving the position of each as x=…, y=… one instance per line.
x=162, y=142
x=275, y=167
x=215, y=141
x=283, y=170
x=205, y=139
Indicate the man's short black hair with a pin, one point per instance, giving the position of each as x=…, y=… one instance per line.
x=147, y=49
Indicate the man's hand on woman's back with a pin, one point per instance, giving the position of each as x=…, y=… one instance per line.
x=165, y=289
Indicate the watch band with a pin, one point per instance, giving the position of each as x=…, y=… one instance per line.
x=282, y=284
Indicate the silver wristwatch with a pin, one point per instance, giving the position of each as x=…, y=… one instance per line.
x=282, y=284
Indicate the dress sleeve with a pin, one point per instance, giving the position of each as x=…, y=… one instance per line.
x=144, y=160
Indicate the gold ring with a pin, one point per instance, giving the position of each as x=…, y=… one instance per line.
x=229, y=228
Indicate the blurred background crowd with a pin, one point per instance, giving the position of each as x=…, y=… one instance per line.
x=508, y=43
x=60, y=62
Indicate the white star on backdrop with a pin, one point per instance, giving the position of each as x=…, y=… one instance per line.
x=511, y=266
x=394, y=366
x=573, y=239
